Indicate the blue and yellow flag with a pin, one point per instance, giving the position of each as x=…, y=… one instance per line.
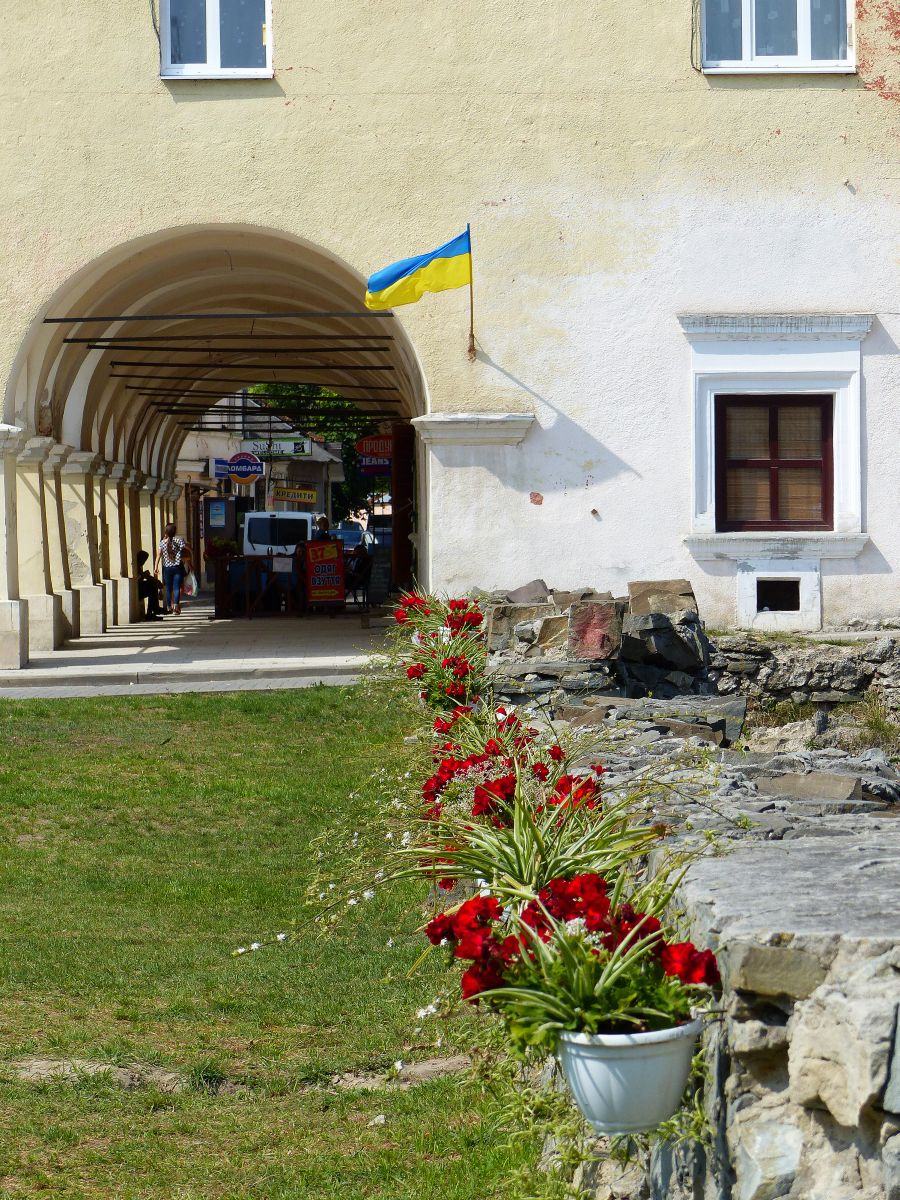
x=406, y=281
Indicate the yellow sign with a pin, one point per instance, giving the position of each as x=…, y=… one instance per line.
x=294, y=495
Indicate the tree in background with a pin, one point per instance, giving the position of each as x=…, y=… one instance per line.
x=337, y=423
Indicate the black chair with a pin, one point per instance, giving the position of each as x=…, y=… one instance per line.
x=359, y=584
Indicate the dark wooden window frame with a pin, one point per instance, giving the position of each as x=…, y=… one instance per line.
x=825, y=403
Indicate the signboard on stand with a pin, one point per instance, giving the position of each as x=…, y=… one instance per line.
x=245, y=468
x=325, y=572
x=217, y=514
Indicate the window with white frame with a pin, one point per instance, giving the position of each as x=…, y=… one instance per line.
x=209, y=39
x=777, y=35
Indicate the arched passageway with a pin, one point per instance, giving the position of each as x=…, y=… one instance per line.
x=115, y=370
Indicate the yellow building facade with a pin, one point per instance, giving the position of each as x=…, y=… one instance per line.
x=680, y=215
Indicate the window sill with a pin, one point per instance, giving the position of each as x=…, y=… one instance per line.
x=787, y=69
x=735, y=547
x=231, y=73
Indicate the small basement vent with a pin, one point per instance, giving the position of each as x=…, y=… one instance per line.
x=777, y=595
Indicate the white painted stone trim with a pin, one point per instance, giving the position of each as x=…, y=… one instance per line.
x=473, y=429
x=735, y=547
x=761, y=368
x=806, y=572
x=733, y=327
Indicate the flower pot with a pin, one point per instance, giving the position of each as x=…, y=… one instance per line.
x=628, y=1082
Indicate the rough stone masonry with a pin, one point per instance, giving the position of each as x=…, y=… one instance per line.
x=799, y=898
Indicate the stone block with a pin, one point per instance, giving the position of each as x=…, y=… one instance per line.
x=655, y=638
x=91, y=610
x=45, y=623
x=661, y=596
x=534, y=592
x=13, y=634
x=780, y=970
x=503, y=618
x=688, y=729
x=767, y=1155
x=890, y=1166
x=756, y=1037
x=595, y=630
x=816, y=785
x=565, y=600
x=552, y=632
x=841, y=1041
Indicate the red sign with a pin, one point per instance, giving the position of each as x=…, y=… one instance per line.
x=244, y=467
x=324, y=572
x=377, y=445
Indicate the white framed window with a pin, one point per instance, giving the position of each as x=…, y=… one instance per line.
x=769, y=36
x=216, y=39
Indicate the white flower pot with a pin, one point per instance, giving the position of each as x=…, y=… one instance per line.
x=627, y=1082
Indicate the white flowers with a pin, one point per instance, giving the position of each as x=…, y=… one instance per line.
x=352, y=901
x=429, y=1011
x=280, y=937
x=389, y=943
x=241, y=950
x=575, y=926
x=256, y=945
x=368, y=894
x=406, y=839
x=399, y=1065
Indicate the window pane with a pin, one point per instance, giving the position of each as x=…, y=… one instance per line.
x=800, y=494
x=723, y=29
x=776, y=27
x=800, y=432
x=747, y=494
x=241, y=32
x=747, y=433
x=829, y=28
x=187, y=25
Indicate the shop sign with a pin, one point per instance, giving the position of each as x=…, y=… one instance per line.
x=324, y=572
x=377, y=445
x=218, y=468
x=217, y=514
x=294, y=495
x=300, y=447
x=370, y=465
x=245, y=468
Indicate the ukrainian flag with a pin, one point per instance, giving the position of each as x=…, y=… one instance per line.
x=406, y=281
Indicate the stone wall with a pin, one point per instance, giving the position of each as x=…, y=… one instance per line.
x=804, y=671
x=798, y=899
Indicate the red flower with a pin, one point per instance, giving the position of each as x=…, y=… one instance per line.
x=439, y=929
x=401, y=616
x=447, y=884
x=416, y=671
x=479, y=978
x=488, y=796
x=690, y=965
x=540, y=771
x=556, y=753
x=492, y=746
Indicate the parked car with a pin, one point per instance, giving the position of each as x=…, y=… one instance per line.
x=353, y=537
x=276, y=532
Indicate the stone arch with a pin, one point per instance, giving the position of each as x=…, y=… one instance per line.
x=86, y=438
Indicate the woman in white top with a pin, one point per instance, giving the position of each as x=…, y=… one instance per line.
x=174, y=555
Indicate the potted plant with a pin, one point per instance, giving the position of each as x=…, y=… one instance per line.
x=583, y=973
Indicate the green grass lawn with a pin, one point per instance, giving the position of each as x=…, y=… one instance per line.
x=141, y=841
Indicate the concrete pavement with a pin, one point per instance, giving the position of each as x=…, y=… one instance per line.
x=192, y=652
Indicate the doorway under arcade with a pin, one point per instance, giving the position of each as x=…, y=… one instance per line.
x=126, y=360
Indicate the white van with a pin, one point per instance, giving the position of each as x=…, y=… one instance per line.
x=277, y=532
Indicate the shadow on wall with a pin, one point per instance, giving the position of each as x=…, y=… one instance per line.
x=572, y=457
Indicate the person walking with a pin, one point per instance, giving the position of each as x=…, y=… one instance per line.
x=174, y=554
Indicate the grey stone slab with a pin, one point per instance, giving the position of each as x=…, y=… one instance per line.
x=814, y=785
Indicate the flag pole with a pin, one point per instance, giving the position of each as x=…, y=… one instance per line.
x=471, y=350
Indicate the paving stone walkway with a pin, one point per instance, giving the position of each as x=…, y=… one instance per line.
x=192, y=652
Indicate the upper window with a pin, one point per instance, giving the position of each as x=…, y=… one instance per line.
x=774, y=462
x=777, y=35
x=205, y=39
